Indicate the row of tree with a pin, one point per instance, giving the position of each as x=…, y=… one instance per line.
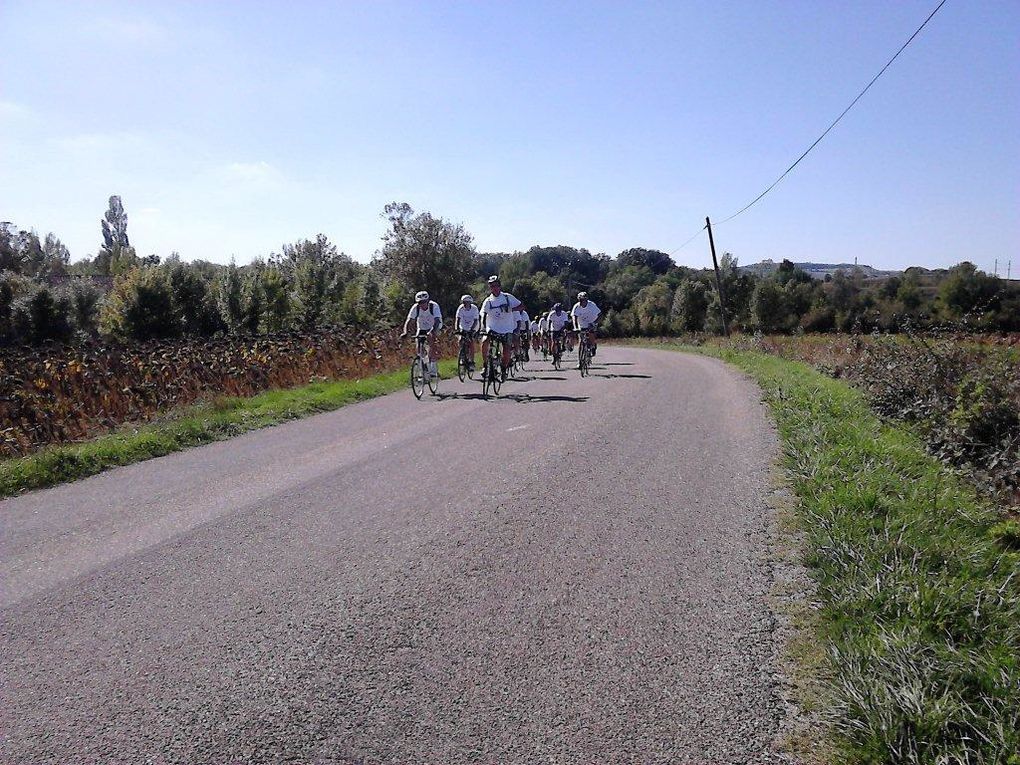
x=312, y=284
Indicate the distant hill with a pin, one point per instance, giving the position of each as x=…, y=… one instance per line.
x=819, y=270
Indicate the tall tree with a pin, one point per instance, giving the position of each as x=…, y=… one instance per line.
x=424, y=252
x=115, y=255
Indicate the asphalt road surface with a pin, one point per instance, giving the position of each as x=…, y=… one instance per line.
x=576, y=572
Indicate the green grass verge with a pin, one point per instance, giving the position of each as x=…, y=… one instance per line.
x=919, y=584
x=201, y=424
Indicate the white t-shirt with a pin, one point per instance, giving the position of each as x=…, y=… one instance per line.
x=534, y=327
x=522, y=316
x=466, y=318
x=584, y=316
x=558, y=321
x=498, y=313
x=543, y=324
x=427, y=318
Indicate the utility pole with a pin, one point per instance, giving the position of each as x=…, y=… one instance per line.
x=996, y=271
x=718, y=280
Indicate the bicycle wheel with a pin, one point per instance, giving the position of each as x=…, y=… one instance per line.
x=433, y=380
x=462, y=364
x=418, y=373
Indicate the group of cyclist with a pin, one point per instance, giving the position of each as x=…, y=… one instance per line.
x=503, y=315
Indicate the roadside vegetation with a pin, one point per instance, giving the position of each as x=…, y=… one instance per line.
x=918, y=578
x=214, y=420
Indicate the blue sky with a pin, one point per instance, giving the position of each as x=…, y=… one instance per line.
x=229, y=128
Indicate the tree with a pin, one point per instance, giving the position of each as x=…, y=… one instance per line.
x=115, y=255
x=140, y=306
x=194, y=308
x=84, y=300
x=768, y=307
x=690, y=306
x=621, y=287
x=423, y=252
x=967, y=291
x=230, y=300
x=658, y=262
x=56, y=255
x=277, y=299
x=652, y=307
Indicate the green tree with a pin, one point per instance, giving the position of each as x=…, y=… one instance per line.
x=652, y=308
x=194, y=308
x=968, y=291
x=84, y=299
x=277, y=298
x=768, y=307
x=424, y=252
x=690, y=306
x=230, y=300
x=657, y=262
x=140, y=306
x=253, y=302
x=116, y=255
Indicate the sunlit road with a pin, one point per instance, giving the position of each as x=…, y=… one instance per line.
x=575, y=572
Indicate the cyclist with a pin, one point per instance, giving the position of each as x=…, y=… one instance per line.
x=558, y=319
x=585, y=315
x=543, y=333
x=430, y=319
x=536, y=335
x=497, y=318
x=522, y=335
x=466, y=322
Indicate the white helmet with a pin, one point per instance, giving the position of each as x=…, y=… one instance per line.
x=493, y=280
x=582, y=295
x=423, y=295
x=466, y=299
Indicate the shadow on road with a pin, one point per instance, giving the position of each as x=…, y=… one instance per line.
x=520, y=398
x=619, y=364
x=612, y=374
x=524, y=398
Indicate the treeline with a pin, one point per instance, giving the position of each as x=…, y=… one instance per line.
x=311, y=284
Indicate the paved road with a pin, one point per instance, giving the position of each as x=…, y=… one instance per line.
x=575, y=573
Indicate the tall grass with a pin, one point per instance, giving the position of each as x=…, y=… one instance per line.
x=920, y=589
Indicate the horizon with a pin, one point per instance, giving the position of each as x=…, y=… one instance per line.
x=580, y=125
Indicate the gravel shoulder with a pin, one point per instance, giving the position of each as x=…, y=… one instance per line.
x=578, y=572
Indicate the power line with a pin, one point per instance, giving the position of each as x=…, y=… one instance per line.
x=834, y=122
x=695, y=236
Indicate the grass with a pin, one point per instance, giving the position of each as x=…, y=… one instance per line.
x=918, y=579
x=201, y=424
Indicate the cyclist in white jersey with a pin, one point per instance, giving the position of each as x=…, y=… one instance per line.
x=467, y=322
x=429, y=319
x=543, y=332
x=585, y=315
x=497, y=317
x=558, y=319
x=536, y=336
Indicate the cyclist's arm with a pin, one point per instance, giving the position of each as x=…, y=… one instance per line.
x=407, y=322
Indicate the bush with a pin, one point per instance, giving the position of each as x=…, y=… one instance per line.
x=140, y=306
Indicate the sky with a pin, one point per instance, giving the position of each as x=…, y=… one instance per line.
x=230, y=128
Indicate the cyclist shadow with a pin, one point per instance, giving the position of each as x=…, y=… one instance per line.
x=526, y=398
x=625, y=376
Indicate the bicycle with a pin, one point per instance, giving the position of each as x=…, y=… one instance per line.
x=557, y=350
x=420, y=367
x=465, y=361
x=583, y=352
x=494, y=373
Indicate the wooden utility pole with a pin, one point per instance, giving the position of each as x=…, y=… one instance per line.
x=718, y=280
